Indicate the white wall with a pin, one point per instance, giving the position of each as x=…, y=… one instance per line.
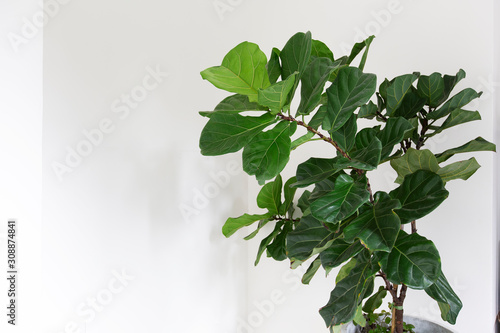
x=135, y=205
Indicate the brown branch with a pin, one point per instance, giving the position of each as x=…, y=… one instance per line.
x=413, y=227
x=384, y=118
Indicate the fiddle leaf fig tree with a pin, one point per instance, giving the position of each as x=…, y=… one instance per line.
x=327, y=214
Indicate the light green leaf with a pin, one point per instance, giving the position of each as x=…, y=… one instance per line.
x=456, y=102
x=243, y=71
x=414, y=261
x=269, y=196
x=431, y=88
x=234, y=104
x=273, y=66
x=301, y=140
x=311, y=271
x=348, y=195
x=459, y=170
x=267, y=153
x=455, y=118
x=351, y=89
x=397, y=90
x=344, y=270
x=420, y=193
x=227, y=133
x=449, y=303
x=414, y=160
x=276, y=95
x=359, y=319
x=233, y=224
x=478, y=144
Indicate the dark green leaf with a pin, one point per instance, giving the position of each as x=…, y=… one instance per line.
x=227, y=133
x=369, y=155
x=265, y=242
x=233, y=224
x=368, y=110
x=412, y=103
x=366, y=136
x=414, y=160
x=457, y=117
x=295, y=55
x=420, y=193
x=431, y=88
x=413, y=261
x=449, y=303
x=277, y=249
x=311, y=271
x=459, y=170
x=456, y=102
x=357, y=48
x=234, y=104
x=260, y=225
x=276, y=96
x=243, y=71
x=339, y=252
x=397, y=91
x=351, y=89
x=269, y=196
x=303, y=202
x=319, y=49
x=273, y=66
x=478, y=144
x=375, y=301
x=346, y=134
x=393, y=133
x=289, y=194
x=318, y=118
x=268, y=152
x=450, y=83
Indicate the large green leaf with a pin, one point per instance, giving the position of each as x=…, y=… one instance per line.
x=233, y=224
x=313, y=82
x=456, y=102
x=266, y=241
x=267, y=153
x=375, y=301
x=319, y=49
x=450, y=82
x=348, y=195
x=311, y=271
x=459, y=170
x=395, y=130
x=339, y=252
x=449, y=303
x=273, y=66
x=378, y=226
x=276, y=96
x=345, y=135
x=431, y=88
x=420, y=193
x=229, y=132
x=455, y=118
x=413, y=261
x=351, y=89
x=348, y=294
x=397, y=90
x=295, y=55
x=412, y=103
x=309, y=238
x=478, y=144
x=269, y=196
x=243, y=71
x=369, y=155
x=277, y=248
x=414, y=160
x=365, y=137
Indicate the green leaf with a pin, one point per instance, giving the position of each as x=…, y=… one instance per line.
x=313, y=82
x=233, y=224
x=303, y=202
x=449, y=303
x=393, y=133
x=366, y=136
x=276, y=95
x=345, y=135
x=277, y=249
x=295, y=55
x=431, y=88
x=318, y=117
x=269, y=196
x=319, y=49
x=227, y=133
x=368, y=111
x=369, y=155
x=309, y=238
x=348, y=294
x=359, y=319
x=420, y=193
x=301, y=140
x=478, y=144
x=265, y=242
x=414, y=160
x=456, y=102
x=289, y=194
x=357, y=48
x=273, y=66
x=397, y=90
x=375, y=301
x=260, y=225
x=412, y=103
x=345, y=270
x=342, y=202
x=378, y=226
x=311, y=271
x=339, y=252
x=459, y=170
x=455, y=118
x=450, y=83
x=351, y=89
x=413, y=261
x=267, y=153
x=243, y=71
x=234, y=104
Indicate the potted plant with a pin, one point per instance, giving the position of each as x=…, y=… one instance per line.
x=328, y=214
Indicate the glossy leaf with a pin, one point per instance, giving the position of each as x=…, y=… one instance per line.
x=319, y=49
x=459, y=170
x=378, y=226
x=345, y=135
x=233, y=224
x=431, y=88
x=397, y=90
x=273, y=66
x=267, y=153
x=478, y=144
x=414, y=261
x=456, y=102
x=420, y=193
x=311, y=270
x=366, y=136
x=269, y=196
x=449, y=303
x=455, y=118
x=395, y=130
x=369, y=155
x=339, y=252
x=351, y=89
x=276, y=96
x=412, y=103
x=347, y=196
x=227, y=133
x=414, y=160
x=243, y=71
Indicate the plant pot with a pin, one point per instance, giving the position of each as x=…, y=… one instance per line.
x=421, y=326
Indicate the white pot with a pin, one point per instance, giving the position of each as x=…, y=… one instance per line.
x=421, y=326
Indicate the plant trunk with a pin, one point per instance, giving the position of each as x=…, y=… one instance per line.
x=399, y=320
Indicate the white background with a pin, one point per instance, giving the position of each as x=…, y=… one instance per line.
x=119, y=211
